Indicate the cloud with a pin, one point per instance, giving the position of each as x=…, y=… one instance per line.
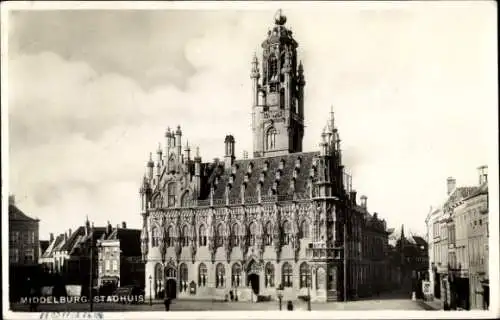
x=87, y=107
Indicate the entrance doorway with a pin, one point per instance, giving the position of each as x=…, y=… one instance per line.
x=253, y=280
x=171, y=288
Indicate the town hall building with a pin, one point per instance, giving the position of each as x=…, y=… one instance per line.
x=281, y=221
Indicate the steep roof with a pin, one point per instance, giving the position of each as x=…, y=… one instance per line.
x=15, y=214
x=55, y=245
x=220, y=177
x=78, y=237
x=44, y=244
x=130, y=241
x=482, y=189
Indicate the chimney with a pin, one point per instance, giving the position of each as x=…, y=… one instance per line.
x=108, y=228
x=51, y=238
x=229, y=152
x=124, y=225
x=483, y=174
x=12, y=200
x=363, y=201
x=69, y=232
x=65, y=236
x=353, y=196
x=450, y=184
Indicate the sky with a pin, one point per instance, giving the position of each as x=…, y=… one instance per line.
x=91, y=93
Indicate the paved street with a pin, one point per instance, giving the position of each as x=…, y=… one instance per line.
x=385, y=302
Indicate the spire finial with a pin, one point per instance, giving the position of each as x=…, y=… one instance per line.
x=279, y=18
x=197, y=152
x=150, y=156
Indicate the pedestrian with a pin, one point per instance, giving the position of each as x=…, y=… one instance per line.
x=166, y=301
x=289, y=305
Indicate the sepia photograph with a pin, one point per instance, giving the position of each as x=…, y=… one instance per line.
x=249, y=156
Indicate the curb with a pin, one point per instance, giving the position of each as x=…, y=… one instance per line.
x=427, y=306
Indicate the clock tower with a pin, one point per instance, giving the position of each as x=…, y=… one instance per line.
x=278, y=94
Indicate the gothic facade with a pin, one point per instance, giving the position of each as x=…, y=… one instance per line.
x=246, y=227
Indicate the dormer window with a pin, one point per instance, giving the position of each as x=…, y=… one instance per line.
x=298, y=162
x=278, y=175
x=266, y=166
x=250, y=168
x=262, y=177
x=282, y=165
x=246, y=178
x=231, y=179
x=295, y=173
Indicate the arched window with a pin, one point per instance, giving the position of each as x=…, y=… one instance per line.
x=203, y=236
x=286, y=275
x=170, y=236
x=235, y=233
x=183, y=277
x=185, y=200
x=282, y=98
x=219, y=234
x=220, y=275
x=287, y=230
x=269, y=280
x=202, y=275
x=171, y=194
x=158, y=279
x=304, y=229
x=268, y=234
x=253, y=233
x=236, y=275
x=156, y=237
x=271, y=138
x=185, y=236
x=305, y=275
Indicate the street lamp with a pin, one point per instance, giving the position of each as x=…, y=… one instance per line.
x=150, y=291
x=279, y=293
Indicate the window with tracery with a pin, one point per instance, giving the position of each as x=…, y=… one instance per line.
x=305, y=275
x=185, y=236
x=286, y=275
x=236, y=275
x=155, y=237
x=203, y=236
x=220, y=275
x=219, y=235
x=235, y=240
x=202, y=275
x=183, y=277
x=170, y=236
x=268, y=234
x=171, y=194
x=287, y=233
x=304, y=229
x=253, y=233
x=271, y=138
x=269, y=280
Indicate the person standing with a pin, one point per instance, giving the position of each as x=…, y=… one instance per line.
x=289, y=305
x=166, y=301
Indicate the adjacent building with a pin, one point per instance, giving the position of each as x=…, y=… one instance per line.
x=24, y=249
x=472, y=244
x=283, y=221
x=119, y=258
x=459, y=251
